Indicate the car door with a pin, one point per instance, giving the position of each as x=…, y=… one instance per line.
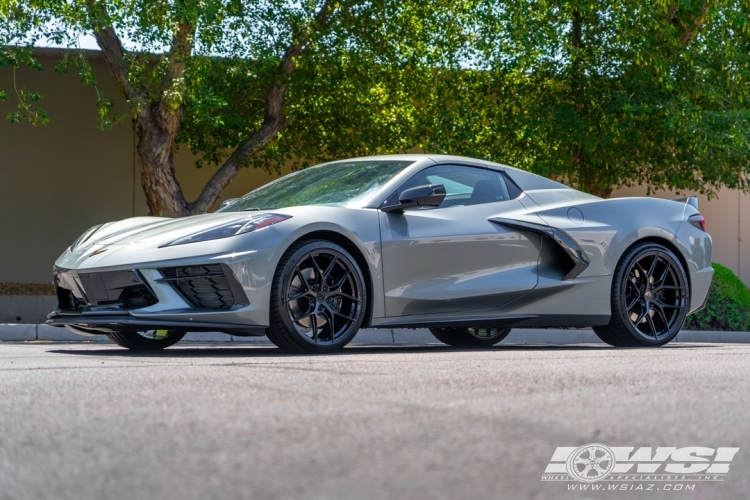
x=451, y=258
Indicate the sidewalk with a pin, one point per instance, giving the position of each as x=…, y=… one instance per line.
x=26, y=332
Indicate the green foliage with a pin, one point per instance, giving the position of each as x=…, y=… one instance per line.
x=596, y=94
x=27, y=107
x=728, y=306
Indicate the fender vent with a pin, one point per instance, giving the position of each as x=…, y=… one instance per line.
x=210, y=286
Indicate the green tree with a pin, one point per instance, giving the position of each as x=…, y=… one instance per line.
x=595, y=94
x=619, y=93
x=224, y=77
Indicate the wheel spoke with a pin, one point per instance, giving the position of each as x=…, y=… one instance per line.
x=307, y=314
x=664, y=274
x=644, y=312
x=346, y=296
x=329, y=314
x=651, y=324
x=314, y=319
x=301, y=278
x=667, y=287
x=319, y=280
x=328, y=270
x=298, y=296
x=632, y=303
x=341, y=281
x=658, y=308
x=643, y=271
x=342, y=315
x=653, y=266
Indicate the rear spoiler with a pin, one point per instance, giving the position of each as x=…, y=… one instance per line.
x=690, y=200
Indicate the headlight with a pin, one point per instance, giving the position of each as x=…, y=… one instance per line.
x=233, y=228
x=85, y=236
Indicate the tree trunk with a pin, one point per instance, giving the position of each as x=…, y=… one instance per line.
x=586, y=173
x=156, y=162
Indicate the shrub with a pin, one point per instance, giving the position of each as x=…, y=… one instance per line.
x=728, y=306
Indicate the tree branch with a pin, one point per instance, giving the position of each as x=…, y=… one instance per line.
x=112, y=48
x=688, y=32
x=275, y=117
x=170, y=93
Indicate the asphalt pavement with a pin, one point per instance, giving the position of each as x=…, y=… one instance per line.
x=93, y=421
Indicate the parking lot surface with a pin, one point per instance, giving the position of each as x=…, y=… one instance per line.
x=93, y=421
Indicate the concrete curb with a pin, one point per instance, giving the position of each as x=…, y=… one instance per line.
x=30, y=332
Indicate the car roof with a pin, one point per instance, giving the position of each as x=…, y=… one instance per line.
x=525, y=180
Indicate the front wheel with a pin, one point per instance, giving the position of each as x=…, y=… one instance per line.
x=650, y=298
x=148, y=340
x=318, y=298
x=476, y=337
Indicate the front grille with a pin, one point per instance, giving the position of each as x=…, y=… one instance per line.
x=78, y=291
x=210, y=286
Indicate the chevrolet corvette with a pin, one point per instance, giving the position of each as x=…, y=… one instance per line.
x=464, y=247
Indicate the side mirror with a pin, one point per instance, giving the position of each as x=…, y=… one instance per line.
x=429, y=195
x=226, y=203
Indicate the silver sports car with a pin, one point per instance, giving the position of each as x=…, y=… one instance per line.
x=464, y=247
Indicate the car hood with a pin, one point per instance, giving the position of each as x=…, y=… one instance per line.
x=139, y=239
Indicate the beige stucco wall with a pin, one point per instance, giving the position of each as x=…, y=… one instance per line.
x=58, y=180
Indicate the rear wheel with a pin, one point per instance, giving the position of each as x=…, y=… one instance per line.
x=318, y=298
x=650, y=298
x=147, y=340
x=477, y=337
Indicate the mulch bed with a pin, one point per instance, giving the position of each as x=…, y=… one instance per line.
x=26, y=289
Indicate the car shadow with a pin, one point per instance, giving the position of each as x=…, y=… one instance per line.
x=217, y=350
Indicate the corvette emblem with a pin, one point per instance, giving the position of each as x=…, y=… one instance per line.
x=97, y=252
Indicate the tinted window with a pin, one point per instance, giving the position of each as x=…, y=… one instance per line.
x=344, y=183
x=463, y=185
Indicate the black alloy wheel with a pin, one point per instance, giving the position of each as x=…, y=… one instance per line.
x=146, y=340
x=650, y=298
x=318, y=298
x=477, y=337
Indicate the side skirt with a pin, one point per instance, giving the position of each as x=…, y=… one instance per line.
x=526, y=321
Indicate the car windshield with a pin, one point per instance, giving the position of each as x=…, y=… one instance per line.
x=335, y=184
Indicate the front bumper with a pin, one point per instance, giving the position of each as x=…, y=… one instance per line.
x=196, y=297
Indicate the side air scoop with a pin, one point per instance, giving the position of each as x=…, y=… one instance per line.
x=558, y=236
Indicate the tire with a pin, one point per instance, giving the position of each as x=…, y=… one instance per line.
x=650, y=298
x=318, y=298
x=472, y=337
x=151, y=340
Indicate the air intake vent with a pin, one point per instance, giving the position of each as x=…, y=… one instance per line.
x=137, y=297
x=210, y=286
x=81, y=291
